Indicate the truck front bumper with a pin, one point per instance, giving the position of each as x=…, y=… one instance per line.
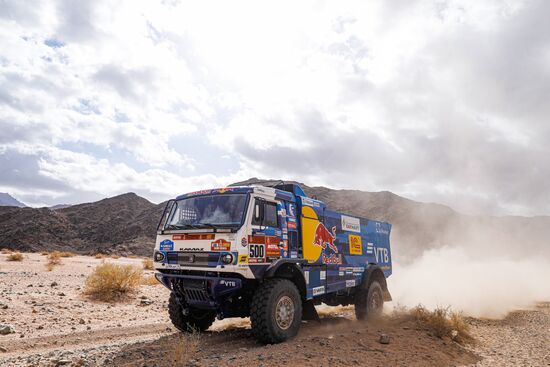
x=206, y=292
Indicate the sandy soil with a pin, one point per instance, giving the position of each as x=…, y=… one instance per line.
x=55, y=325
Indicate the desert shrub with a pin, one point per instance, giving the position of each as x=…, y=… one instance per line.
x=6, y=251
x=99, y=255
x=54, y=259
x=149, y=280
x=44, y=253
x=443, y=322
x=111, y=282
x=148, y=264
x=67, y=254
x=15, y=256
x=185, y=348
x=115, y=257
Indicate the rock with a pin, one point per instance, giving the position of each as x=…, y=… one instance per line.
x=63, y=362
x=6, y=329
x=3, y=350
x=54, y=284
x=145, y=302
x=384, y=339
x=3, y=306
x=81, y=321
x=61, y=294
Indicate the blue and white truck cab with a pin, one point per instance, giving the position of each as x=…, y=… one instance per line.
x=268, y=253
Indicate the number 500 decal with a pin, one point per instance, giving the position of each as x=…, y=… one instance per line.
x=256, y=253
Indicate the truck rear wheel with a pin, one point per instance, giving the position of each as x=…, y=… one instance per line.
x=188, y=319
x=276, y=311
x=369, y=302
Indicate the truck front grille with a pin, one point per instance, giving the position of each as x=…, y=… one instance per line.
x=193, y=258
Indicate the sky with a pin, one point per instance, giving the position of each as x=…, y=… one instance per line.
x=437, y=101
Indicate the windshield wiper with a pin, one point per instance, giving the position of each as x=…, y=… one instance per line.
x=185, y=226
x=209, y=225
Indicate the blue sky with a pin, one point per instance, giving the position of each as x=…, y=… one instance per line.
x=441, y=101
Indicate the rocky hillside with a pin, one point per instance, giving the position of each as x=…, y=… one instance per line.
x=126, y=224
x=122, y=224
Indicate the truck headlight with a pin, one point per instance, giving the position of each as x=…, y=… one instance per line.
x=227, y=258
x=159, y=256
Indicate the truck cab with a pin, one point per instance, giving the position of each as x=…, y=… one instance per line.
x=268, y=253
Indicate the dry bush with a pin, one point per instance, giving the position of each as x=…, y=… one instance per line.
x=15, y=256
x=111, y=282
x=149, y=280
x=443, y=322
x=186, y=346
x=99, y=255
x=132, y=256
x=6, y=251
x=54, y=259
x=148, y=264
x=115, y=257
x=67, y=254
x=44, y=253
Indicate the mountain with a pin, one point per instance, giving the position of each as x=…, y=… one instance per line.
x=59, y=206
x=8, y=200
x=126, y=224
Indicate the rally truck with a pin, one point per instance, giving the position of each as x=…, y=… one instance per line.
x=270, y=253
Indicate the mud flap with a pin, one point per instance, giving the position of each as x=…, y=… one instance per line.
x=309, y=312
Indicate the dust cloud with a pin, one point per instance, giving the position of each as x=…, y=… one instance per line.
x=471, y=281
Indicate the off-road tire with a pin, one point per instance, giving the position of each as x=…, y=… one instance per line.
x=195, y=320
x=369, y=302
x=263, y=310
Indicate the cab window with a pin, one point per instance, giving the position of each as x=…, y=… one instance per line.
x=268, y=214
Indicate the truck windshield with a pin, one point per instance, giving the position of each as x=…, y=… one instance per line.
x=211, y=211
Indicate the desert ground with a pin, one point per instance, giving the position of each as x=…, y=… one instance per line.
x=54, y=325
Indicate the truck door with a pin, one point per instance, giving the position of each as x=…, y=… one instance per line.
x=265, y=242
x=294, y=250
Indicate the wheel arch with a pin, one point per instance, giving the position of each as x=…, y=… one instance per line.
x=289, y=269
x=374, y=273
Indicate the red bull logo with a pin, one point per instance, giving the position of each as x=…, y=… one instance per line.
x=325, y=238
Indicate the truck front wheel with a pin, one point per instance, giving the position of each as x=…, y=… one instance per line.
x=188, y=319
x=276, y=311
x=369, y=302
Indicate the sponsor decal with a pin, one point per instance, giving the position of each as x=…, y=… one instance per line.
x=256, y=253
x=273, y=250
x=224, y=190
x=351, y=224
x=355, y=246
x=310, y=202
x=220, y=245
x=350, y=283
x=341, y=273
x=228, y=283
x=285, y=253
x=318, y=290
x=380, y=229
x=188, y=236
x=306, y=275
x=243, y=259
x=291, y=210
x=193, y=249
x=323, y=275
x=382, y=255
x=324, y=238
x=370, y=248
x=293, y=254
x=358, y=270
x=166, y=245
x=291, y=225
x=332, y=259
x=244, y=242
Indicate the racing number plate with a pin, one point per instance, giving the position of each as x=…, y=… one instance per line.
x=256, y=253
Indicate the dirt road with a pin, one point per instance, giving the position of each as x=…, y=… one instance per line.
x=55, y=325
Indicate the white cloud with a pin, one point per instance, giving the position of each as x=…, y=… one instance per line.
x=441, y=101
